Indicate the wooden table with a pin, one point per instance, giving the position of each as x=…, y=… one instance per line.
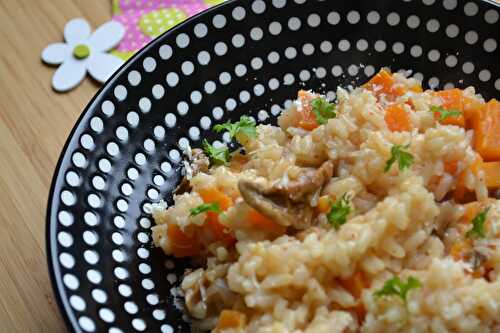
x=34, y=124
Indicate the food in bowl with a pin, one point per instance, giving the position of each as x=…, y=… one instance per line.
x=373, y=213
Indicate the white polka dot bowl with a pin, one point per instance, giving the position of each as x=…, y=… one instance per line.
x=243, y=57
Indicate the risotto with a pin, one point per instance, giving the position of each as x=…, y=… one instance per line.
x=375, y=212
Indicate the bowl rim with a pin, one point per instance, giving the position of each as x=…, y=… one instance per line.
x=58, y=290
x=493, y=2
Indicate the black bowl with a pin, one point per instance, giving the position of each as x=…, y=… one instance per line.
x=243, y=57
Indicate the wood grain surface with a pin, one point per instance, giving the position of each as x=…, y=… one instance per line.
x=34, y=124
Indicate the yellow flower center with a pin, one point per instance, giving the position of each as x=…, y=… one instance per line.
x=81, y=51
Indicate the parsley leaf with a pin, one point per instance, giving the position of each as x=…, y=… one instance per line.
x=443, y=113
x=323, y=110
x=478, y=225
x=207, y=207
x=339, y=210
x=217, y=156
x=404, y=158
x=396, y=287
x=244, y=127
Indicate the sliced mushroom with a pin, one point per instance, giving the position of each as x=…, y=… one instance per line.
x=286, y=203
x=308, y=182
x=198, y=162
x=183, y=187
x=209, y=293
x=279, y=208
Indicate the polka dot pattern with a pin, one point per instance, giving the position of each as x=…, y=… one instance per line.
x=127, y=151
x=156, y=22
x=147, y=19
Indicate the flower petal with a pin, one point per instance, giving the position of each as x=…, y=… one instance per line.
x=76, y=31
x=69, y=74
x=102, y=65
x=107, y=36
x=56, y=53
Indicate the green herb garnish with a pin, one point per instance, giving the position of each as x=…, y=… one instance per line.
x=323, y=110
x=246, y=127
x=339, y=210
x=478, y=225
x=396, y=287
x=443, y=113
x=404, y=158
x=217, y=156
x=204, y=208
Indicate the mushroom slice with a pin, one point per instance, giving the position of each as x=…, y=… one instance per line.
x=206, y=291
x=309, y=181
x=287, y=203
x=276, y=206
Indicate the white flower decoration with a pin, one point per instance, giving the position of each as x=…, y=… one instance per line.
x=84, y=52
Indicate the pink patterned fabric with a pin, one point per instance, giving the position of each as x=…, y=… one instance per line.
x=129, y=13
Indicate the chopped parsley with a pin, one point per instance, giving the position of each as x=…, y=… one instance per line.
x=204, y=208
x=217, y=156
x=339, y=210
x=323, y=110
x=246, y=127
x=396, y=287
x=443, y=113
x=404, y=158
x=478, y=225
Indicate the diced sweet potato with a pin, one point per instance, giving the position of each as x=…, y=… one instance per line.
x=213, y=195
x=384, y=84
x=397, y=119
x=212, y=225
x=263, y=222
x=451, y=167
x=306, y=118
x=355, y=285
x=381, y=83
x=452, y=99
x=471, y=106
x=218, y=231
x=461, y=191
x=182, y=245
x=492, y=174
x=486, y=125
x=230, y=319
